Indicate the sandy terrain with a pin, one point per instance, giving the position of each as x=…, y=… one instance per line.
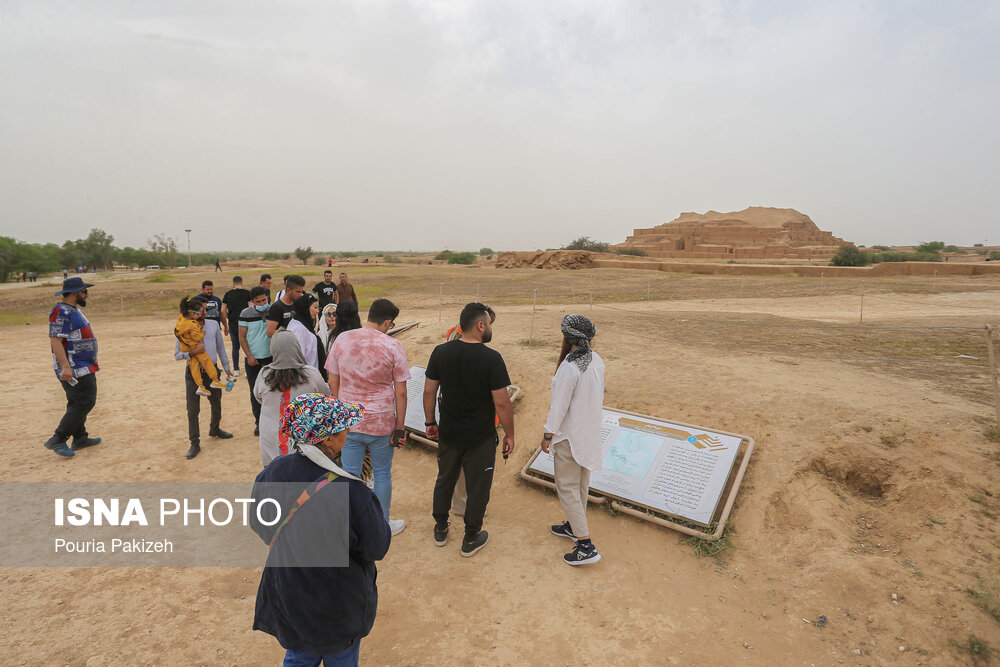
x=871, y=479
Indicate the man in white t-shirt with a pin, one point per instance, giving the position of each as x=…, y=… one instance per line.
x=369, y=367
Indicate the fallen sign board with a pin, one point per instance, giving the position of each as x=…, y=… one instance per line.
x=674, y=469
x=402, y=328
x=414, y=420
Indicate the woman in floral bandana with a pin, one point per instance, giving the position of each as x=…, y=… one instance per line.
x=320, y=614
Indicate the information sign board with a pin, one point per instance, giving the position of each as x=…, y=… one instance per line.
x=672, y=468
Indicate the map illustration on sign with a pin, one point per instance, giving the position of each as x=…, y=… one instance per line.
x=672, y=468
x=632, y=453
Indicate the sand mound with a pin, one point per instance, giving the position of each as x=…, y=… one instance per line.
x=549, y=259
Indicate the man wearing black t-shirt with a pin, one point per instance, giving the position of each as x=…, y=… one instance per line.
x=325, y=290
x=213, y=304
x=473, y=381
x=281, y=311
x=233, y=303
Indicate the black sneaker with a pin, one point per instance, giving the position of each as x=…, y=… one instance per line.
x=441, y=535
x=563, y=530
x=194, y=450
x=219, y=433
x=471, y=545
x=256, y=430
x=582, y=555
x=79, y=443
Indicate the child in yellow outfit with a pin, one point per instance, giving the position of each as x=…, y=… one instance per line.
x=190, y=331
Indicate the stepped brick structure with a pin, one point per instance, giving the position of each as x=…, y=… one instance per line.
x=753, y=233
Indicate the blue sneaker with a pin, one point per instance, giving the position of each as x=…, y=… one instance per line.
x=59, y=447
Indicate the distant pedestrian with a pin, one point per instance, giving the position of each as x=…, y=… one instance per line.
x=65, y=274
x=218, y=267
x=473, y=380
x=573, y=431
x=287, y=376
x=367, y=366
x=233, y=303
x=255, y=344
x=74, y=358
x=345, y=290
x=329, y=262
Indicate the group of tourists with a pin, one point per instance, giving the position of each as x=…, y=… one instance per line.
x=327, y=390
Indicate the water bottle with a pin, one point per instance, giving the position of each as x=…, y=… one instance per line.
x=72, y=381
x=230, y=384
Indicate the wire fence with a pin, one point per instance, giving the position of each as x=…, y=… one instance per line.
x=963, y=351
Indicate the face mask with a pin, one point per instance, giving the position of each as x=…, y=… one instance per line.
x=261, y=309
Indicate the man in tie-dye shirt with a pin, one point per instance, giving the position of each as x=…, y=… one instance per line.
x=74, y=359
x=369, y=367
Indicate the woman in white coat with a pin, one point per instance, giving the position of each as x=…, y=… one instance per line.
x=573, y=432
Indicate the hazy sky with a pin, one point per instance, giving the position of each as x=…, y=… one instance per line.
x=514, y=125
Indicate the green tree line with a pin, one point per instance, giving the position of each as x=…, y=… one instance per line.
x=96, y=251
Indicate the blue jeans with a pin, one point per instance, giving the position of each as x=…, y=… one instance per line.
x=346, y=658
x=353, y=455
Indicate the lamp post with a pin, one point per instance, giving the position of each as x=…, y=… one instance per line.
x=189, y=246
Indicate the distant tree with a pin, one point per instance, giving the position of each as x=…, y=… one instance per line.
x=638, y=252
x=994, y=255
x=444, y=254
x=165, y=249
x=462, y=258
x=977, y=245
x=97, y=249
x=849, y=255
x=304, y=253
x=930, y=246
x=883, y=248
x=586, y=243
x=486, y=251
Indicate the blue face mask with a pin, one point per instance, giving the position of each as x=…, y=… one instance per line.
x=261, y=308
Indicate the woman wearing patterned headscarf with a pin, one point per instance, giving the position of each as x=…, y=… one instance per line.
x=319, y=614
x=573, y=432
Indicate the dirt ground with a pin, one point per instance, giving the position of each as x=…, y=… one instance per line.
x=871, y=498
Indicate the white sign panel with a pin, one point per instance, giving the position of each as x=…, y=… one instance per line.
x=415, y=401
x=672, y=468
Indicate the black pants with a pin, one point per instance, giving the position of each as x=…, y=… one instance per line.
x=194, y=406
x=234, y=335
x=80, y=400
x=252, y=373
x=477, y=462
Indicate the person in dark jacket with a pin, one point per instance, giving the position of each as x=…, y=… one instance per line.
x=320, y=614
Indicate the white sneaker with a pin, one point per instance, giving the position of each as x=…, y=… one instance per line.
x=236, y=373
x=396, y=526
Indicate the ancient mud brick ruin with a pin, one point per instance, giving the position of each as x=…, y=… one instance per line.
x=753, y=233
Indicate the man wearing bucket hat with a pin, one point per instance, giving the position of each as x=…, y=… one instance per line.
x=320, y=614
x=74, y=358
